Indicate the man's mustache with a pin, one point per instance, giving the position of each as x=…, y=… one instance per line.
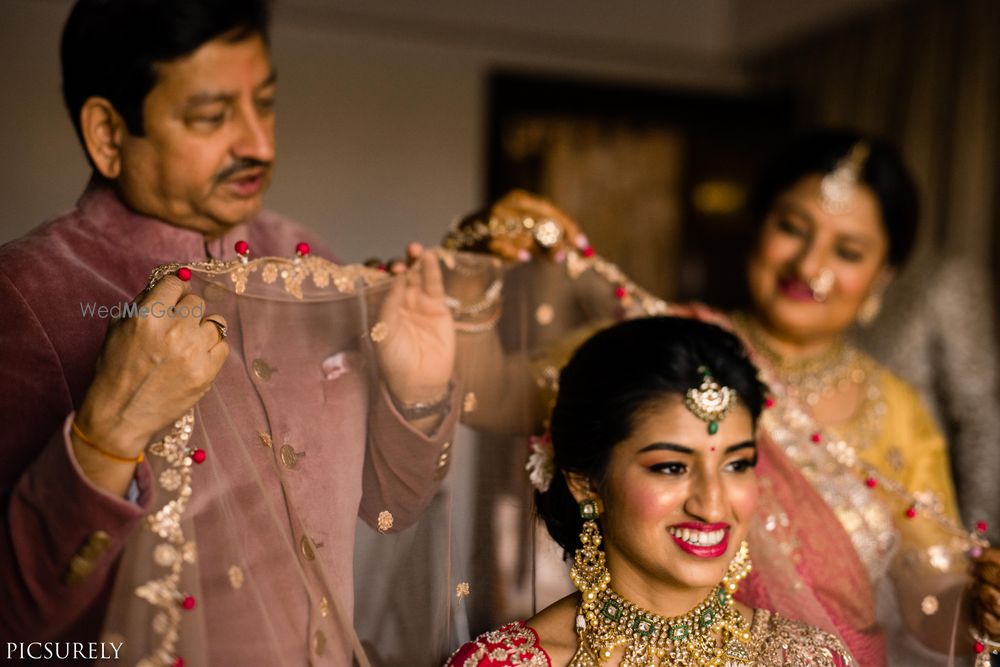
x=243, y=164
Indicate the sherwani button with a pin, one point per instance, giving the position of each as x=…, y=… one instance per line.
x=319, y=642
x=289, y=456
x=306, y=545
x=262, y=370
x=98, y=543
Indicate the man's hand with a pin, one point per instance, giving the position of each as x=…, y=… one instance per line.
x=417, y=354
x=151, y=371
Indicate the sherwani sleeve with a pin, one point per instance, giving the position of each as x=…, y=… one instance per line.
x=59, y=534
x=403, y=467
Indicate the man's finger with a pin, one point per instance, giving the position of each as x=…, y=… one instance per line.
x=168, y=291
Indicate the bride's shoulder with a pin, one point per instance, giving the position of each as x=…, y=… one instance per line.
x=513, y=644
x=520, y=643
x=782, y=641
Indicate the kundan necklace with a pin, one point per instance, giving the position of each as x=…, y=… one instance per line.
x=713, y=634
x=812, y=379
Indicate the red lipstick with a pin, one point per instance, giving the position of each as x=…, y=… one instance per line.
x=713, y=546
x=796, y=290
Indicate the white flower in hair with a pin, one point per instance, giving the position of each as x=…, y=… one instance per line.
x=541, y=462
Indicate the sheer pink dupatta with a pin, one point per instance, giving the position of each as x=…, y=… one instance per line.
x=805, y=566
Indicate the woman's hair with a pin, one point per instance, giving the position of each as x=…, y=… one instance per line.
x=616, y=375
x=818, y=153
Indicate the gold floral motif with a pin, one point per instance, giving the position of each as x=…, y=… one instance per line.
x=544, y=314
x=462, y=590
x=379, y=331
x=240, y=274
x=161, y=623
x=164, y=592
x=170, y=479
x=164, y=554
x=269, y=273
x=513, y=644
x=780, y=641
x=235, y=576
x=384, y=521
x=292, y=271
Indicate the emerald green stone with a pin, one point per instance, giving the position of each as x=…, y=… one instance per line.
x=707, y=617
x=678, y=632
x=713, y=427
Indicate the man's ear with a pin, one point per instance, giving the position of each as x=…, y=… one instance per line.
x=103, y=129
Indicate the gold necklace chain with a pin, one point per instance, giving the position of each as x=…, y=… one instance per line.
x=607, y=621
x=814, y=378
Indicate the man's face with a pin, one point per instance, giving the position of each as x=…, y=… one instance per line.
x=207, y=154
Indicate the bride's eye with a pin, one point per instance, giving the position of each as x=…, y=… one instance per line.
x=741, y=465
x=669, y=468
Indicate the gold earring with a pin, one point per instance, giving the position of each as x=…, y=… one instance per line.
x=590, y=572
x=739, y=568
x=869, y=309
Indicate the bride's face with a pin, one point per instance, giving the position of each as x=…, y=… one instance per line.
x=802, y=246
x=678, y=501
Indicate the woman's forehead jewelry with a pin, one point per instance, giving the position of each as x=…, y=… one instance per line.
x=710, y=402
x=821, y=284
x=837, y=187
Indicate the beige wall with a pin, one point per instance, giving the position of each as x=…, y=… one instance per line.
x=381, y=122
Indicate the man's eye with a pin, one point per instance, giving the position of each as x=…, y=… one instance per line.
x=211, y=119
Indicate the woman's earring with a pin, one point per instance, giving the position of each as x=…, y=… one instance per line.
x=590, y=572
x=739, y=568
x=870, y=309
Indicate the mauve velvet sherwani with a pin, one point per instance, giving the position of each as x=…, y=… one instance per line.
x=100, y=252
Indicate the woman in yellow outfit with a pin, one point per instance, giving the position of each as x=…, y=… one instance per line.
x=858, y=531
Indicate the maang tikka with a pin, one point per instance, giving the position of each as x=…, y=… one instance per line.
x=710, y=402
x=837, y=187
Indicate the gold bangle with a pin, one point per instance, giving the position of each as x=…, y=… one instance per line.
x=90, y=443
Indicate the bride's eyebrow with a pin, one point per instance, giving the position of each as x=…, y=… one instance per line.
x=681, y=449
x=668, y=446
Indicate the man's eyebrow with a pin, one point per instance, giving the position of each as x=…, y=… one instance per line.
x=212, y=97
x=271, y=79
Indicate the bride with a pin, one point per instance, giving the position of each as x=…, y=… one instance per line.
x=653, y=492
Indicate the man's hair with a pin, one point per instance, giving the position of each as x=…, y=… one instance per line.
x=110, y=47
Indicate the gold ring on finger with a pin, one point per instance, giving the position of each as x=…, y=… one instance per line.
x=222, y=329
